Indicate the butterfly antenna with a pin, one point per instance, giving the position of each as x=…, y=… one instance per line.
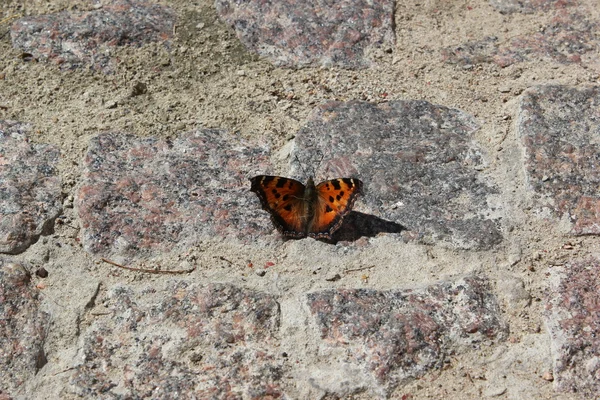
x=296, y=159
x=319, y=152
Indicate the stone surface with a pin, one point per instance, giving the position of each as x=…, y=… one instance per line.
x=530, y=6
x=573, y=320
x=569, y=38
x=296, y=33
x=559, y=128
x=217, y=341
x=75, y=39
x=143, y=196
x=30, y=190
x=418, y=163
x=398, y=335
x=23, y=328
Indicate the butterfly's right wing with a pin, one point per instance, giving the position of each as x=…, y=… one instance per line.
x=284, y=199
x=335, y=199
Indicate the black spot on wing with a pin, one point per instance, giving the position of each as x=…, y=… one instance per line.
x=336, y=184
x=348, y=181
x=331, y=199
x=288, y=208
x=328, y=209
x=281, y=183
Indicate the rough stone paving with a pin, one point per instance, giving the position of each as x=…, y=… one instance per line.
x=85, y=38
x=30, y=190
x=569, y=38
x=530, y=6
x=398, y=335
x=296, y=33
x=216, y=341
x=417, y=161
x=559, y=127
x=573, y=319
x=23, y=327
x=145, y=195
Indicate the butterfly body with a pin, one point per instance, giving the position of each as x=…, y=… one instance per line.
x=299, y=210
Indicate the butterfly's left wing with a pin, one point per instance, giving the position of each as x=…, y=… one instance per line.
x=335, y=199
x=284, y=199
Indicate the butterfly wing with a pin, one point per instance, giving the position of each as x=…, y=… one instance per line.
x=334, y=200
x=283, y=198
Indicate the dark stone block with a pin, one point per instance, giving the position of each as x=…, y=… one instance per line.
x=419, y=166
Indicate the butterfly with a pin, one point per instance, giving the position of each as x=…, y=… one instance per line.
x=299, y=210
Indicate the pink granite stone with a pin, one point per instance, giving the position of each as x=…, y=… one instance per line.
x=205, y=342
x=296, y=33
x=569, y=38
x=23, y=328
x=573, y=320
x=399, y=335
x=30, y=189
x=141, y=196
x=75, y=39
x=558, y=126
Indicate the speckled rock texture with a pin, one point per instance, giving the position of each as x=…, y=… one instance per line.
x=398, y=335
x=23, y=327
x=294, y=33
x=216, y=341
x=571, y=37
x=77, y=39
x=530, y=6
x=573, y=319
x=419, y=164
x=560, y=130
x=142, y=266
x=30, y=189
x=141, y=196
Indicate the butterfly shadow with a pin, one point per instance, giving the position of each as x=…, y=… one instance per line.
x=357, y=225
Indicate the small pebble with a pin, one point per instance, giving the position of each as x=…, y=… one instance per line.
x=548, y=376
x=41, y=272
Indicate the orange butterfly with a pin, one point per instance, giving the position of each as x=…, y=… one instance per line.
x=299, y=211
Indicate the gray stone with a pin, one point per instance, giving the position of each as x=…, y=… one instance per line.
x=398, y=335
x=23, y=328
x=559, y=129
x=573, y=320
x=569, y=38
x=296, y=33
x=74, y=39
x=530, y=6
x=142, y=196
x=419, y=165
x=30, y=190
x=217, y=341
